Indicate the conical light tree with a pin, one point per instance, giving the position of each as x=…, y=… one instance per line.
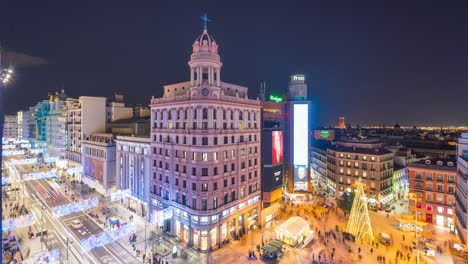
x=359, y=222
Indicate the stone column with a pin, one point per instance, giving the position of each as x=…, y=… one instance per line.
x=218, y=77
x=192, y=73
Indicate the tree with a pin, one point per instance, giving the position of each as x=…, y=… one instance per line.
x=346, y=202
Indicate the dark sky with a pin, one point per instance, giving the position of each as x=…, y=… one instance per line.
x=372, y=63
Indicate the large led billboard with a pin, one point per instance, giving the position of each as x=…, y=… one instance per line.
x=300, y=178
x=276, y=147
x=301, y=134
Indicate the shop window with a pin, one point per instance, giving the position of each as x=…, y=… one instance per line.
x=428, y=207
x=440, y=209
x=418, y=205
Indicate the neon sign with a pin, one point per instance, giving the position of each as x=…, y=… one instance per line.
x=324, y=133
x=40, y=175
x=13, y=224
x=102, y=239
x=275, y=98
x=67, y=209
x=298, y=78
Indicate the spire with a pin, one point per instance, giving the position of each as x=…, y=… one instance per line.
x=205, y=20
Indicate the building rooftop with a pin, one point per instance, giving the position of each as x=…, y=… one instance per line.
x=370, y=151
x=436, y=164
x=144, y=119
x=397, y=167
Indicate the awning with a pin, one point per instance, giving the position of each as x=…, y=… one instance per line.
x=270, y=249
x=293, y=226
x=276, y=243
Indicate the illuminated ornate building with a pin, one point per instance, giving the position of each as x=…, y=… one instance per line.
x=205, y=154
x=56, y=124
x=461, y=193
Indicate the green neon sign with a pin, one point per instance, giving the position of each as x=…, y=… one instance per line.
x=275, y=98
x=325, y=134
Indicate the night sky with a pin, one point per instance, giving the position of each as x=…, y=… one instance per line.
x=371, y=63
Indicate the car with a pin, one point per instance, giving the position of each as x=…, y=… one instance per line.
x=76, y=224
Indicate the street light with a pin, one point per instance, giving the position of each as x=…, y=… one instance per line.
x=413, y=196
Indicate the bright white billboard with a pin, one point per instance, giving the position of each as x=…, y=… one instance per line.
x=301, y=134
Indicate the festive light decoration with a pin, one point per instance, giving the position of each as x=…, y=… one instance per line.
x=40, y=175
x=67, y=209
x=36, y=151
x=12, y=152
x=8, y=146
x=50, y=159
x=119, y=195
x=75, y=170
x=24, y=161
x=359, y=222
x=5, y=181
x=15, y=223
x=24, y=145
x=102, y=239
x=52, y=256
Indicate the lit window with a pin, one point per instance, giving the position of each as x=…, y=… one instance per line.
x=372, y=158
x=341, y=171
x=356, y=173
x=194, y=156
x=205, y=156
x=215, y=156
x=450, y=211
x=440, y=209
x=428, y=207
x=364, y=174
x=364, y=158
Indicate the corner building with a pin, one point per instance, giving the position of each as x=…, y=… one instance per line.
x=206, y=155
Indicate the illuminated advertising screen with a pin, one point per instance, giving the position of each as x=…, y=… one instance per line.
x=276, y=147
x=300, y=178
x=301, y=134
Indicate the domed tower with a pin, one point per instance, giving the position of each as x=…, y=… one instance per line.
x=205, y=63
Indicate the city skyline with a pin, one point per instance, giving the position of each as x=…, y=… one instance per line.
x=384, y=56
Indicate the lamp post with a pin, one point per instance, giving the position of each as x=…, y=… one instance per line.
x=413, y=196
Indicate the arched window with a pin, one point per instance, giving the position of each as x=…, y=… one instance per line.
x=205, y=113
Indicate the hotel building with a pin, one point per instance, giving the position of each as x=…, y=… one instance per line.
x=434, y=183
x=205, y=154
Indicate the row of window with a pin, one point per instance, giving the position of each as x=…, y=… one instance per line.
x=364, y=174
x=204, y=125
x=439, y=187
x=202, y=204
x=95, y=152
x=203, y=113
x=203, y=156
x=204, y=141
x=439, y=176
x=364, y=166
x=204, y=186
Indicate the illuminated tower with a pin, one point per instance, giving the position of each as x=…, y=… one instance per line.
x=341, y=123
x=297, y=138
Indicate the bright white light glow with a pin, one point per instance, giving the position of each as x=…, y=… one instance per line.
x=75, y=170
x=301, y=134
x=8, y=146
x=12, y=152
x=102, y=239
x=40, y=175
x=52, y=256
x=50, y=159
x=67, y=209
x=36, y=151
x=15, y=223
x=24, y=161
x=25, y=145
x=119, y=195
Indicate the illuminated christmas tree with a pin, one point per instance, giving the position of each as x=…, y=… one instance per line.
x=359, y=222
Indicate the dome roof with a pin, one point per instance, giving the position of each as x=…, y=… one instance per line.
x=205, y=43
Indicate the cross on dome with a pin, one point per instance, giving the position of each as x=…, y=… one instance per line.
x=205, y=20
